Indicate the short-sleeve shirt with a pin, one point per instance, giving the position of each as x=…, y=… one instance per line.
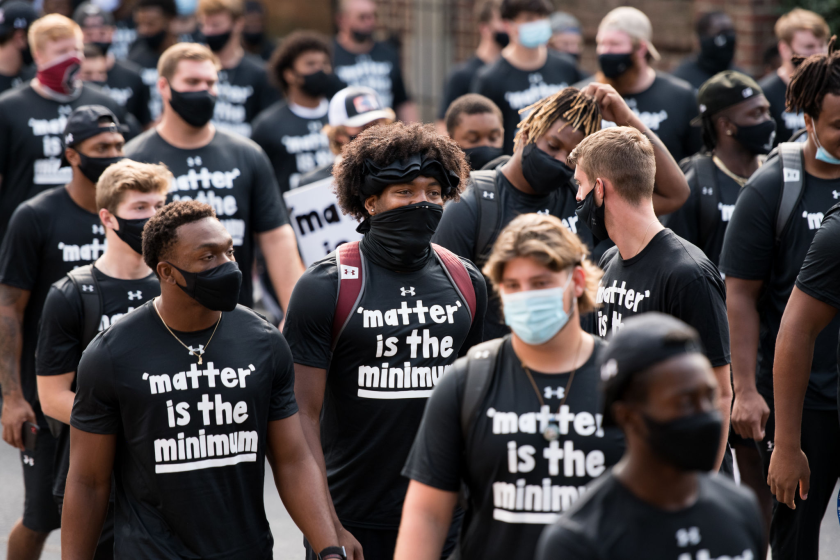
x=695, y=73
x=512, y=89
x=401, y=339
x=518, y=481
x=31, y=130
x=147, y=59
x=787, y=123
x=458, y=83
x=294, y=140
x=611, y=523
x=191, y=439
x=125, y=86
x=48, y=236
x=750, y=253
x=233, y=175
x=244, y=92
x=379, y=69
x=670, y=275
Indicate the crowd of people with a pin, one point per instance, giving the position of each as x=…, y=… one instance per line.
x=578, y=317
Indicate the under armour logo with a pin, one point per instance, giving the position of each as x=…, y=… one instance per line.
x=87, y=288
x=315, y=126
x=193, y=161
x=544, y=212
x=835, y=194
x=535, y=78
x=790, y=175
x=351, y=272
x=688, y=537
x=707, y=191
x=27, y=460
x=408, y=292
x=558, y=393
x=68, y=138
x=482, y=354
x=197, y=351
x=609, y=370
x=770, y=446
x=747, y=92
x=98, y=229
x=489, y=195
x=135, y=295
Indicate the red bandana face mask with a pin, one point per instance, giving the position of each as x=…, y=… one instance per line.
x=61, y=75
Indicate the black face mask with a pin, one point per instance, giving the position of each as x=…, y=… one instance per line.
x=593, y=216
x=93, y=168
x=102, y=46
x=195, y=107
x=480, y=156
x=544, y=173
x=253, y=39
x=153, y=41
x=758, y=138
x=26, y=54
x=361, y=36
x=502, y=38
x=321, y=84
x=131, y=231
x=689, y=443
x=400, y=239
x=716, y=53
x=216, y=289
x=217, y=42
x=615, y=64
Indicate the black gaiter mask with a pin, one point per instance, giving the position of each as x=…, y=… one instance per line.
x=131, y=232
x=216, y=289
x=614, y=65
x=480, y=156
x=544, y=173
x=758, y=138
x=689, y=443
x=593, y=215
x=716, y=53
x=195, y=107
x=400, y=239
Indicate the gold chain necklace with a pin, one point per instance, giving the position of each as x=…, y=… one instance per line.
x=552, y=431
x=202, y=348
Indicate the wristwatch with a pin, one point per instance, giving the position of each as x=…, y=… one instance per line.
x=333, y=553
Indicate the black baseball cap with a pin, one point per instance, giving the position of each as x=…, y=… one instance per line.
x=16, y=15
x=83, y=123
x=87, y=10
x=642, y=342
x=723, y=90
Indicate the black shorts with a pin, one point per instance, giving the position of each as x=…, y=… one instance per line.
x=40, y=512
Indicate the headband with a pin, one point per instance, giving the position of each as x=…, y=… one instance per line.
x=404, y=171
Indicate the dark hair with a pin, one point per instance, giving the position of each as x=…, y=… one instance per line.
x=704, y=23
x=384, y=144
x=166, y=6
x=484, y=10
x=814, y=77
x=7, y=36
x=512, y=8
x=708, y=132
x=92, y=51
x=576, y=108
x=290, y=49
x=161, y=232
x=469, y=104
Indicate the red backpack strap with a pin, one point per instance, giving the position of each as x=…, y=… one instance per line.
x=458, y=275
x=350, y=284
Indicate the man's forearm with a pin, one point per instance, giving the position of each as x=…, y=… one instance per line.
x=791, y=371
x=85, y=507
x=743, y=337
x=312, y=433
x=279, y=248
x=724, y=406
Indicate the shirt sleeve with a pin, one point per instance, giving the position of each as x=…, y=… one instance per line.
x=457, y=227
x=267, y=206
x=436, y=457
x=19, y=263
x=747, y=251
x=563, y=540
x=821, y=270
x=309, y=319
x=702, y=304
x=283, y=402
x=59, y=339
x=96, y=408
x=144, y=116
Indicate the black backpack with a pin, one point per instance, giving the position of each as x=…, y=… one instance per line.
x=489, y=222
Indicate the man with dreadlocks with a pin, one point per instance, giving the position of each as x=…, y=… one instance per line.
x=374, y=325
x=537, y=179
x=773, y=224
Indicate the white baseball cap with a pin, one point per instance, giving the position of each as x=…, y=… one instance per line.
x=633, y=22
x=357, y=106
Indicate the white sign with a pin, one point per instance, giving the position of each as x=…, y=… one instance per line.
x=318, y=222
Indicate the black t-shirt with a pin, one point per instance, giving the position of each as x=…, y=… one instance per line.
x=31, y=130
x=231, y=174
x=512, y=89
x=124, y=37
x=518, y=482
x=695, y=73
x=10, y=82
x=62, y=330
x=125, y=86
x=295, y=143
x=244, y=92
x=458, y=229
x=611, y=523
x=190, y=459
x=749, y=252
x=407, y=331
x=48, y=236
x=458, y=83
x=666, y=107
x=670, y=275
x=686, y=222
x=147, y=59
x=378, y=69
x=786, y=123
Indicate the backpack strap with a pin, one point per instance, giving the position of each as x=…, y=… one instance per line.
x=481, y=365
x=704, y=166
x=92, y=306
x=489, y=213
x=792, y=185
x=458, y=274
x=351, y=270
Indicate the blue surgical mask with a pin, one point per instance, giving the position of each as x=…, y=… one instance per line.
x=536, y=316
x=822, y=154
x=534, y=33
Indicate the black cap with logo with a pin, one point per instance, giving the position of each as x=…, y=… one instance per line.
x=16, y=15
x=83, y=123
x=723, y=90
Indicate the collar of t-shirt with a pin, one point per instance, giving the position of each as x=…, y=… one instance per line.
x=310, y=112
x=652, y=244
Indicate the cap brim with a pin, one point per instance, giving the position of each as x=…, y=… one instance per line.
x=369, y=117
x=653, y=52
x=696, y=121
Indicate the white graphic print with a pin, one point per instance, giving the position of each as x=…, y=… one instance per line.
x=794, y=121
x=106, y=321
x=150, y=77
x=408, y=292
x=686, y=537
x=87, y=288
x=137, y=294
x=814, y=219
x=537, y=90
x=570, y=222
x=48, y=171
x=550, y=393
x=835, y=194
x=369, y=73
x=87, y=252
x=311, y=150
x=614, y=294
x=27, y=460
x=197, y=351
x=204, y=450
x=230, y=110
x=652, y=120
x=725, y=211
x=119, y=95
